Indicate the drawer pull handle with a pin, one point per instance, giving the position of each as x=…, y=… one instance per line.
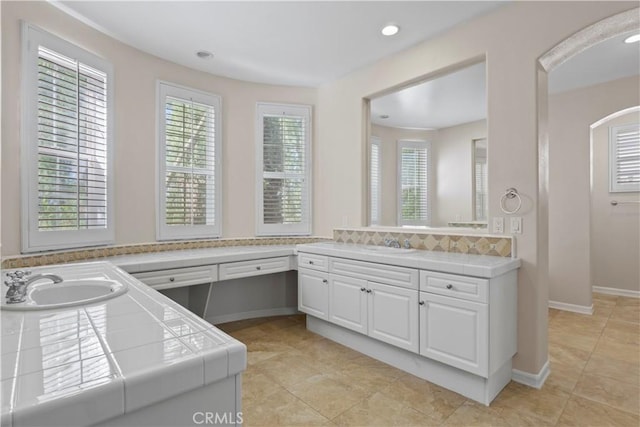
x=449, y=286
x=311, y=262
x=258, y=268
x=172, y=279
x=421, y=303
x=325, y=281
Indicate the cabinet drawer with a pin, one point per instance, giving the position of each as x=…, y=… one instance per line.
x=453, y=285
x=236, y=270
x=176, y=278
x=380, y=273
x=314, y=262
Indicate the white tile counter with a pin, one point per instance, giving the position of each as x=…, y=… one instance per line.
x=83, y=365
x=445, y=262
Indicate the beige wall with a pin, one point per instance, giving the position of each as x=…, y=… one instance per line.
x=135, y=126
x=512, y=38
x=615, y=230
x=570, y=116
x=389, y=137
x=454, y=157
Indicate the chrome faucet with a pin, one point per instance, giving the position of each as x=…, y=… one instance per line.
x=19, y=281
x=392, y=243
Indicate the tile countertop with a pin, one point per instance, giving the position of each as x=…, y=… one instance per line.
x=85, y=364
x=446, y=262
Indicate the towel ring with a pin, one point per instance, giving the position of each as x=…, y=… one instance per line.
x=510, y=193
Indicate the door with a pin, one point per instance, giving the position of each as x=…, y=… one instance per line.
x=455, y=332
x=313, y=293
x=348, y=302
x=393, y=315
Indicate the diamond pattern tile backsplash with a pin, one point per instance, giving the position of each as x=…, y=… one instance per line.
x=471, y=244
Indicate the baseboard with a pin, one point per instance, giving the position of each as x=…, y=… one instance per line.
x=283, y=311
x=532, y=380
x=616, y=291
x=582, y=309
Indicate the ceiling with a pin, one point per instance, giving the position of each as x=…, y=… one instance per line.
x=309, y=43
x=300, y=43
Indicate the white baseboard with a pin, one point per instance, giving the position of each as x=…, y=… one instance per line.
x=616, y=291
x=532, y=380
x=283, y=311
x=582, y=309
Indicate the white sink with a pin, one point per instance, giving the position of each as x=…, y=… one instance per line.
x=46, y=296
x=386, y=249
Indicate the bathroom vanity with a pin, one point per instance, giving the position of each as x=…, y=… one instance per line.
x=136, y=358
x=445, y=317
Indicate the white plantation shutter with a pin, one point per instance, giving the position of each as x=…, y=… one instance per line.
x=481, y=180
x=189, y=144
x=67, y=144
x=624, y=158
x=374, y=180
x=413, y=195
x=283, y=153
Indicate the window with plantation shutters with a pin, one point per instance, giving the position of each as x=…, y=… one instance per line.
x=67, y=135
x=624, y=158
x=283, y=161
x=374, y=180
x=480, y=180
x=414, y=158
x=189, y=147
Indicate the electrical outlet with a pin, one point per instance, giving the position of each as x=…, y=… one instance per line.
x=498, y=224
x=516, y=225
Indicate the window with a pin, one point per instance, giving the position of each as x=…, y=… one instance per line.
x=374, y=180
x=624, y=158
x=480, y=180
x=189, y=163
x=283, y=159
x=414, y=159
x=67, y=145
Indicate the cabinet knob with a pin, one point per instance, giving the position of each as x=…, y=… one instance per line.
x=325, y=281
x=449, y=286
x=421, y=303
x=172, y=279
x=311, y=262
x=258, y=268
x=368, y=291
x=363, y=289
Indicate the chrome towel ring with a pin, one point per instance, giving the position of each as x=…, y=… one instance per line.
x=510, y=193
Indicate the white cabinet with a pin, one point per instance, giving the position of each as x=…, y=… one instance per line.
x=313, y=293
x=393, y=315
x=455, y=331
x=348, y=302
x=178, y=277
x=254, y=267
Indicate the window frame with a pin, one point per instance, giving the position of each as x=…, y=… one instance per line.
x=34, y=240
x=614, y=186
x=375, y=141
x=303, y=228
x=402, y=143
x=182, y=232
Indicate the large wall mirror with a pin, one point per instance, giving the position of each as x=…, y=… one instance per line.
x=428, y=152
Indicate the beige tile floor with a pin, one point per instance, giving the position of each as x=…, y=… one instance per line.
x=297, y=378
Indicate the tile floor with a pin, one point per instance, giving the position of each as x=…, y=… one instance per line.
x=297, y=378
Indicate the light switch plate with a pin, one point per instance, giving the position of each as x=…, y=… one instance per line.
x=516, y=225
x=498, y=224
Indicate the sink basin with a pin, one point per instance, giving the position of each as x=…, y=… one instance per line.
x=47, y=296
x=386, y=249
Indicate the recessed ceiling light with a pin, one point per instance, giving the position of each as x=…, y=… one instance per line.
x=390, y=30
x=384, y=116
x=204, y=54
x=632, y=39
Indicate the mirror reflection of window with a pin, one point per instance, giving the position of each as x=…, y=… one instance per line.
x=414, y=158
x=374, y=180
x=480, y=175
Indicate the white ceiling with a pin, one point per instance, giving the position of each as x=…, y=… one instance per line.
x=299, y=43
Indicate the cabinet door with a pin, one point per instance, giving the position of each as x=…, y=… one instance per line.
x=348, y=302
x=393, y=315
x=313, y=293
x=455, y=332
